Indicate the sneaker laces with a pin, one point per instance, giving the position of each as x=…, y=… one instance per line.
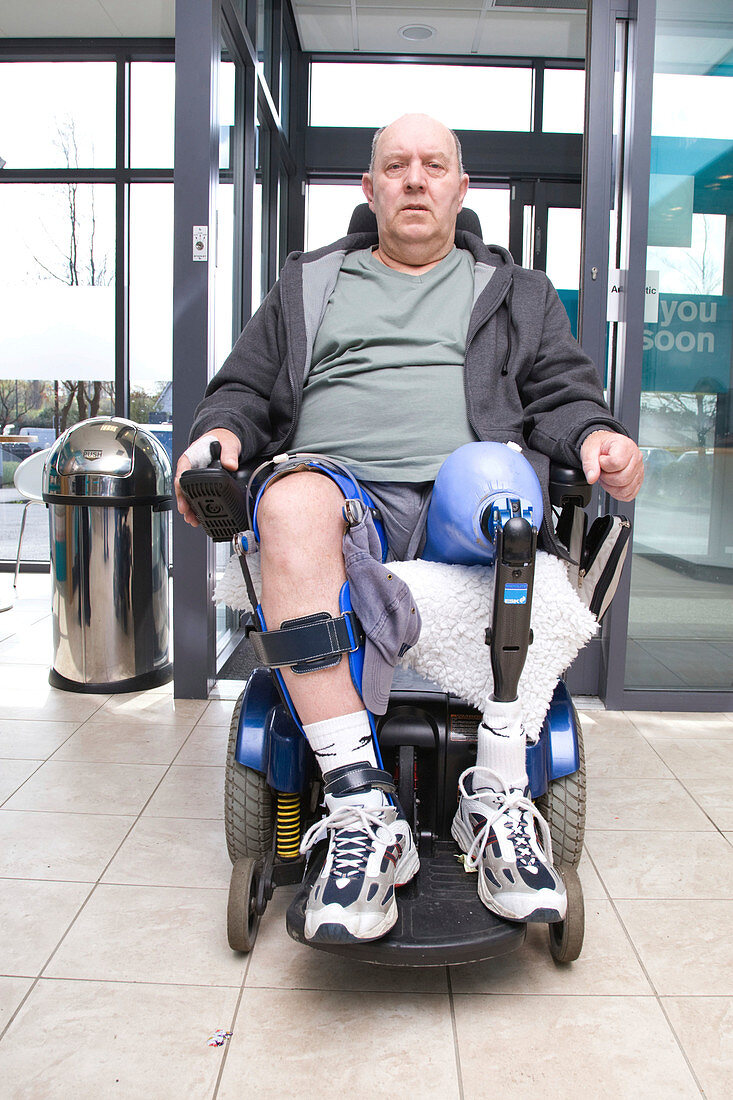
x=520, y=811
x=352, y=851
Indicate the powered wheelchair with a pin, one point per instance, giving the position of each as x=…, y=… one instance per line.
x=427, y=738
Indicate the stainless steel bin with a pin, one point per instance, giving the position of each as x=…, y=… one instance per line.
x=107, y=483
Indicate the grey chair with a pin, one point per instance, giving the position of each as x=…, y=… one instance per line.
x=28, y=480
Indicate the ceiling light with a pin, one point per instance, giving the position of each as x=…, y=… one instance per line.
x=417, y=32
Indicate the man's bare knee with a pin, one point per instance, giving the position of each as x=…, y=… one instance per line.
x=301, y=534
x=300, y=503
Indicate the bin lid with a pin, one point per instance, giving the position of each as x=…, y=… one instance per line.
x=107, y=460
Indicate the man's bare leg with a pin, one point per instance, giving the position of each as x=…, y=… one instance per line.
x=371, y=850
x=301, y=531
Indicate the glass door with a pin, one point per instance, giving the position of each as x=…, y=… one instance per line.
x=681, y=605
x=545, y=233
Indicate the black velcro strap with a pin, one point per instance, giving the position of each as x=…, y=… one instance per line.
x=357, y=777
x=308, y=644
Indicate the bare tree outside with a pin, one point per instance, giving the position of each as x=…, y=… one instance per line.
x=699, y=269
x=78, y=261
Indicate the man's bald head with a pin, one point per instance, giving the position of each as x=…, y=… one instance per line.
x=416, y=186
x=382, y=130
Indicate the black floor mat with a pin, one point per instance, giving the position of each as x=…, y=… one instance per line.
x=240, y=664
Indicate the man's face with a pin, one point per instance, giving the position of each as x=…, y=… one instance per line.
x=416, y=190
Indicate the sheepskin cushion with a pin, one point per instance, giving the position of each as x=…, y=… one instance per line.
x=455, y=603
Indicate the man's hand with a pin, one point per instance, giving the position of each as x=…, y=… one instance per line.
x=198, y=456
x=615, y=461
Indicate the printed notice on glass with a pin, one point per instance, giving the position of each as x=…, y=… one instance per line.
x=651, y=298
x=617, y=288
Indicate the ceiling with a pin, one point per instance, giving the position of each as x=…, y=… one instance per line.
x=87, y=18
x=698, y=34
x=369, y=26
x=468, y=27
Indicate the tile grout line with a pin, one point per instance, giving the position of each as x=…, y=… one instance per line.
x=363, y=992
x=104, y=869
x=679, y=779
x=452, y=1006
x=21, y=785
x=235, y=1014
x=123, y=981
x=647, y=975
x=89, y=895
x=99, y=813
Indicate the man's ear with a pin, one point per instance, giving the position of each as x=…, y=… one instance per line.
x=368, y=189
x=463, y=188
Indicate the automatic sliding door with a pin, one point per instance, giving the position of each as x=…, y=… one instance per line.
x=681, y=604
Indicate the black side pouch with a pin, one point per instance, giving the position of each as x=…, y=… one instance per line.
x=604, y=554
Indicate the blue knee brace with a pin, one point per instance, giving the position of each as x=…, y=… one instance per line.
x=478, y=488
x=331, y=637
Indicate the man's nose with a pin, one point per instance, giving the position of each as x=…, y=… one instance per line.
x=415, y=176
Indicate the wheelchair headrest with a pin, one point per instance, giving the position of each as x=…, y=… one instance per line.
x=364, y=221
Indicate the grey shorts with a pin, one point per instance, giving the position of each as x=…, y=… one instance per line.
x=403, y=506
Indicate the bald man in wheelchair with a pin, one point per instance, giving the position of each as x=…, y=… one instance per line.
x=384, y=354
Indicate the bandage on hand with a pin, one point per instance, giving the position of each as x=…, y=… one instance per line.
x=197, y=456
x=199, y=452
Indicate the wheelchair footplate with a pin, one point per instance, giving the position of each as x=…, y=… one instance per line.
x=441, y=919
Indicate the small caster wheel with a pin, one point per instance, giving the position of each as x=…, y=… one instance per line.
x=566, y=936
x=243, y=912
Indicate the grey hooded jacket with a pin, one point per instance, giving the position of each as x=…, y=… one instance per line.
x=526, y=378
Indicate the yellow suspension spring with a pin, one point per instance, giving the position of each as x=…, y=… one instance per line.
x=288, y=825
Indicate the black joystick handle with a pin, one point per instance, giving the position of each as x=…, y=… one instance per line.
x=215, y=451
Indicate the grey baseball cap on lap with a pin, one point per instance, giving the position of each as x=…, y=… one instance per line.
x=383, y=604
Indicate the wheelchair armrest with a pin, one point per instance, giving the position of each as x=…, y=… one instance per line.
x=568, y=486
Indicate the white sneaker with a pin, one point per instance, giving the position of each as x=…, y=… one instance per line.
x=370, y=852
x=507, y=841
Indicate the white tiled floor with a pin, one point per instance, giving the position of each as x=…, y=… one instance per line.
x=114, y=966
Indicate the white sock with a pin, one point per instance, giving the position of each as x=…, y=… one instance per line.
x=502, y=743
x=345, y=740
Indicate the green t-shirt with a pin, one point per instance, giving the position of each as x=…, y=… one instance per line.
x=385, y=390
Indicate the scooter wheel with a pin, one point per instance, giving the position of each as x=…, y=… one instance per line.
x=243, y=912
x=566, y=937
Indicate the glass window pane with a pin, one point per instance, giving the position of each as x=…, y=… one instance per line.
x=563, y=101
x=691, y=106
x=329, y=207
x=57, y=331
x=223, y=274
x=681, y=608
x=265, y=16
x=227, y=78
x=257, y=294
x=152, y=110
x=492, y=206
x=64, y=114
x=563, y=257
x=58, y=294
x=151, y=307
x=469, y=98
x=286, y=60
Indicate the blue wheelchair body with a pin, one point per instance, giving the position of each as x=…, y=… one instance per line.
x=427, y=738
x=268, y=741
